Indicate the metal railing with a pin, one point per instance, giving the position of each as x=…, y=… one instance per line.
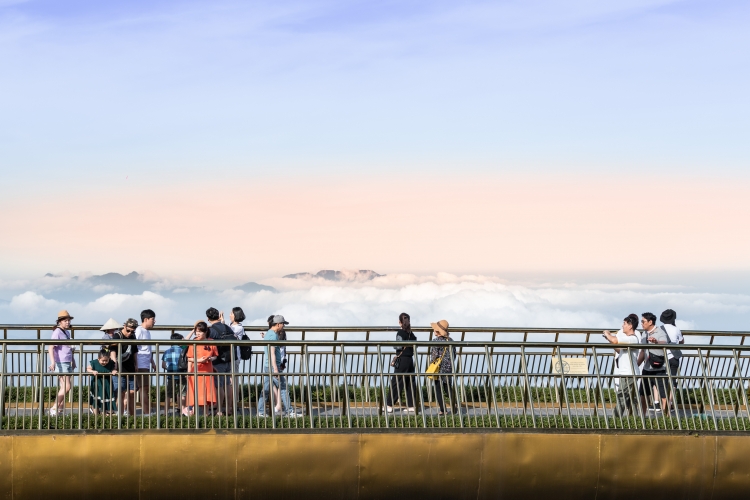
x=343, y=383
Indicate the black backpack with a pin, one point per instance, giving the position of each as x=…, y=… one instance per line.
x=246, y=351
x=182, y=363
x=223, y=332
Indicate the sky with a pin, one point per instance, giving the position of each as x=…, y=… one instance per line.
x=223, y=142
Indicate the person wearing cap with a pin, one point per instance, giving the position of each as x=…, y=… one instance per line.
x=62, y=360
x=444, y=383
x=271, y=362
x=668, y=318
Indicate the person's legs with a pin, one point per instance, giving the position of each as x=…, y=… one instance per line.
x=263, y=395
x=144, y=389
x=408, y=382
x=439, y=394
x=284, y=394
x=394, y=393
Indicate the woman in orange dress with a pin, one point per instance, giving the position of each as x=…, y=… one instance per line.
x=204, y=356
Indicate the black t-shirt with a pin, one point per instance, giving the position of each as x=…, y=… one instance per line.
x=128, y=353
x=403, y=335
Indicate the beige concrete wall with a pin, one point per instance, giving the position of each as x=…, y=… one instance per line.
x=373, y=465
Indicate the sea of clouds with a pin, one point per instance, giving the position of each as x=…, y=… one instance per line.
x=357, y=299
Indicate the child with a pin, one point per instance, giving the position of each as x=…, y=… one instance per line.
x=175, y=381
x=102, y=396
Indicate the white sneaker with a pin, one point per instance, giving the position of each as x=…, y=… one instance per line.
x=292, y=414
x=52, y=412
x=389, y=409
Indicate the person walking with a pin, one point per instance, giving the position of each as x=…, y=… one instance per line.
x=668, y=318
x=203, y=355
x=110, y=328
x=443, y=382
x=625, y=366
x=61, y=360
x=145, y=360
x=175, y=378
x=403, y=362
x=655, y=369
x=271, y=365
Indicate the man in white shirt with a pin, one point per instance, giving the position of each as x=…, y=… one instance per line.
x=625, y=366
x=145, y=360
x=669, y=317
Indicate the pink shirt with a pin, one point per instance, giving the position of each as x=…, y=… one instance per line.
x=62, y=353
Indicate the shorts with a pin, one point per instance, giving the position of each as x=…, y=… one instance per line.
x=222, y=381
x=175, y=384
x=651, y=379
x=128, y=382
x=64, y=367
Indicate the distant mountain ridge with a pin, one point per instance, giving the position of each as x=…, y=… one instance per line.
x=135, y=283
x=331, y=275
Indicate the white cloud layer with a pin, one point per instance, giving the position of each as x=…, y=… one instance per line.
x=462, y=300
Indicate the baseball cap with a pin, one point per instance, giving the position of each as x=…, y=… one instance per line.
x=279, y=319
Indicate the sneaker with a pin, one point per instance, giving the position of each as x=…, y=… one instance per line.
x=53, y=412
x=261, y=415
x=125, y=413
x=292, y=414
x=411, y=410
x=389, y=409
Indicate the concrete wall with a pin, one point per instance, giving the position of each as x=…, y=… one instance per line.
x=373, y=465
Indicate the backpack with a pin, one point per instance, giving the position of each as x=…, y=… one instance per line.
x=677, y=353
x=246, y=351
x=226, y=333
x=182, y=364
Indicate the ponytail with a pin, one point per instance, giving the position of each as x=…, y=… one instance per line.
x=405, y=321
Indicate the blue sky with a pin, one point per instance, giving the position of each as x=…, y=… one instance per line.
x=92, y=91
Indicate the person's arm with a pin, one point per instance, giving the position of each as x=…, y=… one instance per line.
x=91, y=370
x=641, y=357
x=163, y=365
x=611, y=338
x=51, y=352
x=273, y=359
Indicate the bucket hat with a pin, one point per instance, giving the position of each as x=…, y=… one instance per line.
x=63, y=315
x=441, y=325
x=668, y=317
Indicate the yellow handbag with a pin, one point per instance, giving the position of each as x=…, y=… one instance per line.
x=435, y=367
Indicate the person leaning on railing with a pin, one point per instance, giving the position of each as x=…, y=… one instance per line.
x=126, y=384
x=444, y=383
x=403, y=362
x=62, y=360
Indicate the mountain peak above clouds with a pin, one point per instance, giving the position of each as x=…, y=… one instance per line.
x=344, y=275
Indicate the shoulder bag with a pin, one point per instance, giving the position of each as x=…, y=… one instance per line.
x=434, y=367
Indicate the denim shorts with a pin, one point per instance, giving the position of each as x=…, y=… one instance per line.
x=128, y=382
x=64, y=367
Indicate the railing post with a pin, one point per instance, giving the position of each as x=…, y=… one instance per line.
x=382, y=386
x=41, y=383
x=528, y=386
x=2, y=388
x=307, y=384
x=346, y=387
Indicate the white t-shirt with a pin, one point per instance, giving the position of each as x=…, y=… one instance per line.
x=623, y=365
x=144, y=351
x=675, y=336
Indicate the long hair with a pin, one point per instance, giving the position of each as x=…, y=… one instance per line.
x=405, y=321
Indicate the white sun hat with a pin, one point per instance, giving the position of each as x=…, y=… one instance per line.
x=111, y=324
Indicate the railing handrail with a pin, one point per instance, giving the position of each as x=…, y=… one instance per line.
x=365, y=329
x=375, y=343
